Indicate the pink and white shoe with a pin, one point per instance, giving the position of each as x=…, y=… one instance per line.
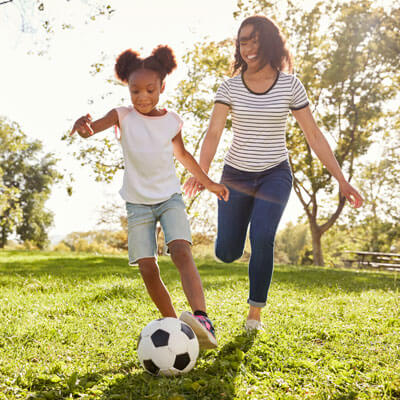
x=202, y=327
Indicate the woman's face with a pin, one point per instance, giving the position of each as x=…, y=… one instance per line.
x=249, y=46
x=145, y=88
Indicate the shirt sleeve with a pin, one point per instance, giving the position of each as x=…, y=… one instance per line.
x=122, y=113
x=223, y=94
x=178, y=123
x=299, y=98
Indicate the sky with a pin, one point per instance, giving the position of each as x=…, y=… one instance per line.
x=46, y=93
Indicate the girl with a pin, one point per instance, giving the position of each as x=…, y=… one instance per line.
x=150, y=137
x=256, y=168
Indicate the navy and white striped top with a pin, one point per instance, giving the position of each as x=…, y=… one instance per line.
x=259, y=120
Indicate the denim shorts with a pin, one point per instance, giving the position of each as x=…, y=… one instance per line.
x=142, y=222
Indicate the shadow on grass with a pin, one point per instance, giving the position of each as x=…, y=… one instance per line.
x=214, y=379
x=305, y=277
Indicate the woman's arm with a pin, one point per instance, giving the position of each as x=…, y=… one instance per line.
x=213, y=135
x=321, y=148
x=187, y=160
x=209, y=146
x=86, y=128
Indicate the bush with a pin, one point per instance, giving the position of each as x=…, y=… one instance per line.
x=61, y=247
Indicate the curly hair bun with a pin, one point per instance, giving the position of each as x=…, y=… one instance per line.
x=165, y=56
x=127, y=62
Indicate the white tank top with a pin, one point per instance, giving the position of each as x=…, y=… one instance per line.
x=149, y=175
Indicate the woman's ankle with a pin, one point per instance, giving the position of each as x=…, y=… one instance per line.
x=254, y=314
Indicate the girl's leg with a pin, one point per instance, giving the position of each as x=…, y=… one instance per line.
x=181, y=255
x=176, y=228
x=155, y=286
x=271, y=199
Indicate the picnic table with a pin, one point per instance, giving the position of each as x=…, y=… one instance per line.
x=389, y=261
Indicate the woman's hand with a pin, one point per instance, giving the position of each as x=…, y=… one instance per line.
x=220, y=190
x=351, y=194
x=192, y=186
x=83, y=127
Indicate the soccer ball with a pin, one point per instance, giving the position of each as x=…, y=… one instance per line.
x=168, y=346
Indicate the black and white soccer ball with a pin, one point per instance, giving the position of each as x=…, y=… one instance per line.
x=168, y=346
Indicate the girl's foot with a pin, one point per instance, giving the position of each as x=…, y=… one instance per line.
x=253, y=325
x=203, y=328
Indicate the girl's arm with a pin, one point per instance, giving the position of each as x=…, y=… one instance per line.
x=86, y=128
x=321, y=148
x=209, y=146
x=187, y=160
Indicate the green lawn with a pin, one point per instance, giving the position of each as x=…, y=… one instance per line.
x=69, y=326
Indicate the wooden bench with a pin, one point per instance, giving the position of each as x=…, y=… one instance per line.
x=371, y=259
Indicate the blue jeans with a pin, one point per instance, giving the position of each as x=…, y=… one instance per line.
x=258, y=199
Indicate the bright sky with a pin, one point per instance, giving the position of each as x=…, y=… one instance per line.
x=45, y=94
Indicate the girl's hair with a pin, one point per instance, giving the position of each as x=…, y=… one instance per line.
x=273, y=49
x=162, y=60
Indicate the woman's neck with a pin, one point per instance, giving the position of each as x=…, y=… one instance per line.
x=265, y=73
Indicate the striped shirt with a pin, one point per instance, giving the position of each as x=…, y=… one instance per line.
x=259, y=120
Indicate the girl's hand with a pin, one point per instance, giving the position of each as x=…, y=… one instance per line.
x=192, y=186
x=351, y=194
x=221, y=191
x=82, y=126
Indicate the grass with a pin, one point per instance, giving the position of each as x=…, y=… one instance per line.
x=69, y=325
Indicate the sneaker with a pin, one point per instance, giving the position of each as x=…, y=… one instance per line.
x=202, y=327
x=252, y=325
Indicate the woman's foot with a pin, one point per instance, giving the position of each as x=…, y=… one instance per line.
x=203, y=328
x=253, y=325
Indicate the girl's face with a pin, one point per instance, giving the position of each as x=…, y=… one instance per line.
x=249, y=46
x=145, y=88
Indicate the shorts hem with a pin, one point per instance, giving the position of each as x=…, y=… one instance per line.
x=135, y=261
x=180, y=238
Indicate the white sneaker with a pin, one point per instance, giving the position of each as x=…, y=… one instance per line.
x=253, y=325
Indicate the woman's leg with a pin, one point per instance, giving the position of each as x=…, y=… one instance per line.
x=271, y=199
x=233, y=221
x=155, y=286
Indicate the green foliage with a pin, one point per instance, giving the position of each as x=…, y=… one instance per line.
x=290, y=241
x=376, y=227
x=101, y=241
x=69, y=326
x=41, y=18
x=25, y=181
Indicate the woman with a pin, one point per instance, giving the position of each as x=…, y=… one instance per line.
x=256, y=169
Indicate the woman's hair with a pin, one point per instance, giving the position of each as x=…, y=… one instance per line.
x=162, y=60
x=273, y=49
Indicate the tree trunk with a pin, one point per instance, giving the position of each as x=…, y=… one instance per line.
x=3, y=239
x=316, y=235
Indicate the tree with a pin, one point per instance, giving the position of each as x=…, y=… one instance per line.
x=347, y=55
x=291, y=241
x=27, y=177
x=39, y=18
x=377, y=226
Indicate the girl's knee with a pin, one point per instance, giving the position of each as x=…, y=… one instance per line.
x=148, y=266
x=180, y=249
